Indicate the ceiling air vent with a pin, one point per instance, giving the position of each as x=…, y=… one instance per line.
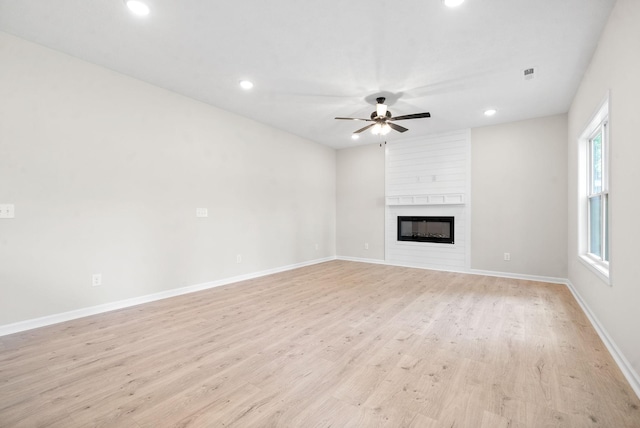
x=529, y=73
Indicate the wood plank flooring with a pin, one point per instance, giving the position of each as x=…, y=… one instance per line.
x=339, y=344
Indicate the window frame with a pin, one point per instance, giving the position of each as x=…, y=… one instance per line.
x=599, y=124
x=602, y=130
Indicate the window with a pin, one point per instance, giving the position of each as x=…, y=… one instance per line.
x=598, y=195
x=594, y=209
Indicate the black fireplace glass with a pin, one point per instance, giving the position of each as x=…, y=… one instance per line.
x=426, y=229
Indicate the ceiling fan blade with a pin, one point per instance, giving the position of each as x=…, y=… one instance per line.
x=411, y=116
x=364, y=129
x=397, y=127
x=353, y=118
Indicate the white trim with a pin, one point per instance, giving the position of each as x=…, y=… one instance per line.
x=537, y=278
x=597, y=267
x=468, y=213
x=447, y=199
x=112, y=306
x=361, y=260
x=627, y=369
x=598, y=119
x=598, y=116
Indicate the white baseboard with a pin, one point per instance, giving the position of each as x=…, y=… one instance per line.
x=361, y=260
x=384, y=262
x=538, y=278
x=121, y=304
x=627, y=369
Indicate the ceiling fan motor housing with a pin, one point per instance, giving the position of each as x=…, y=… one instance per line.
x=374, y=115
x=383, y=120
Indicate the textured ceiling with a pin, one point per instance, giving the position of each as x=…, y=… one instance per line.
x=312, y=61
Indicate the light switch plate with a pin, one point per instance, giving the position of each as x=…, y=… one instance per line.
x=202, y=212
x=7, y=211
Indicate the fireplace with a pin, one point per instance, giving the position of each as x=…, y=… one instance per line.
x=426, y=229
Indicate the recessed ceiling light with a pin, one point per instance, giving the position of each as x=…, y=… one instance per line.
x=452, y=3
x=246, y=85
x=354, y=136
x=490, y=112
x=137, y=7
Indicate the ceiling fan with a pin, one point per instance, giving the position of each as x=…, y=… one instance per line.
x=383, y=119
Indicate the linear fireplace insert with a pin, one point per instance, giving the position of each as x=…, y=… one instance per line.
x=426, y=229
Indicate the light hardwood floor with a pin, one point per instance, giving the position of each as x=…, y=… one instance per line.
x=339, y=344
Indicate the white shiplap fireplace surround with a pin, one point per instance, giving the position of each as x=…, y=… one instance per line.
x=429, y=176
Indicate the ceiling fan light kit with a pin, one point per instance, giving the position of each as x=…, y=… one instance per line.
x=379, y=129
x=383, y=120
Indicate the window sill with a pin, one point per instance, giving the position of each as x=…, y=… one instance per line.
x=600, y=269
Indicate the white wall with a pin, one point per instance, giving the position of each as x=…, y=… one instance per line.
x=613, y=67
x=360, y=202
x=519, y=197
x=106, y=173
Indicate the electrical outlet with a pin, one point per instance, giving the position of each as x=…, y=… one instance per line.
x=317, y=246
x=507, y=256
x=366, y=245
x=96, y=279
x=239, y=258
x=7, y=211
